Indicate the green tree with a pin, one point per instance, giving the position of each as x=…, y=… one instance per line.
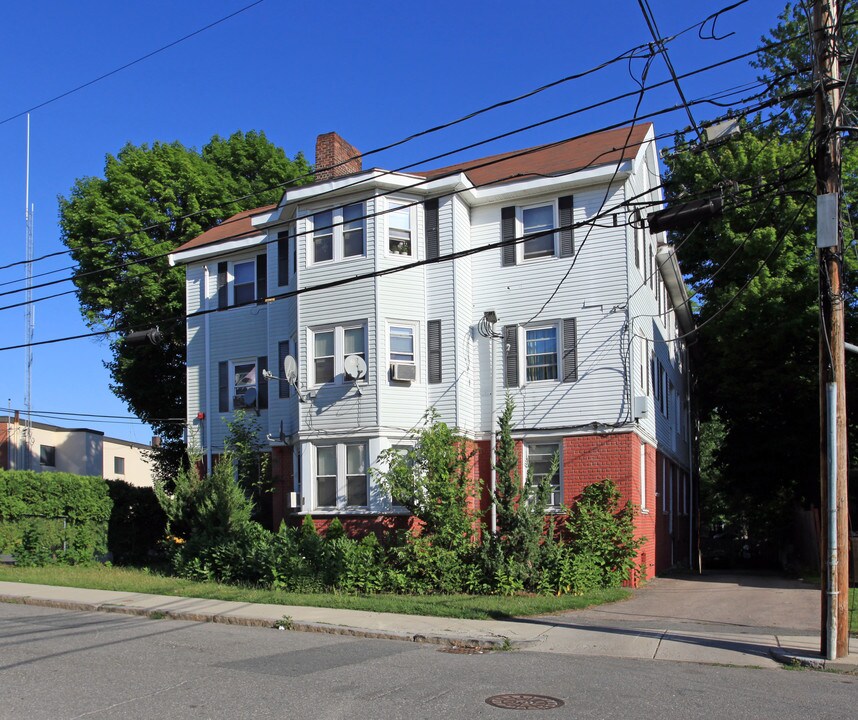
x=519, y=509
x=757, y=347
x=251, y=461
x=152, y=199
x=434, y=480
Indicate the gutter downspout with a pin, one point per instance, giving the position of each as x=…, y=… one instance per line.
x=208, y=421
x=492, y=438
x=691, y=436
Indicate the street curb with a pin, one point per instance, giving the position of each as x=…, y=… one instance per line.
x=499, y=643
x=812, y=662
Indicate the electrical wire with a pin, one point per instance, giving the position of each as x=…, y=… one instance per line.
x=741, y=290
x=489, y=162
x=130, y=64
x=361, y=156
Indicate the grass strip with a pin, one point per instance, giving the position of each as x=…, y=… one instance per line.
x=473, y=607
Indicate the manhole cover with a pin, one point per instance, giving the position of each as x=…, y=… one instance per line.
x=524, y=701
x=462, y=650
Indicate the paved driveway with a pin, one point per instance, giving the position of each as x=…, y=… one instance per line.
x=767, y=603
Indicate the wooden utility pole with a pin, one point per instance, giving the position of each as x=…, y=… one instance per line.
x=832, y=376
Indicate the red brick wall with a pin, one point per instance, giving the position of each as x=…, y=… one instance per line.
x=331, y=151
x=593, y=458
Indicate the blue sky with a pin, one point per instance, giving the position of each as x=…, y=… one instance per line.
x=374, y=72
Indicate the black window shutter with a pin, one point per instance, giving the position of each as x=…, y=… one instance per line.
x=508, y=235
x=433, y=242
x=433, y=337
x=261, y=277
x=510, y=342
x=261, y=382
x=283, y=258
x=222, y=287
x=223, y=387
x=570, y=350
x=567, y=236
x=285, y=389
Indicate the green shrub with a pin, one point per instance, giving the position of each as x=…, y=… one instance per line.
x=600, y=529
x=53, y=516
x=335, y=530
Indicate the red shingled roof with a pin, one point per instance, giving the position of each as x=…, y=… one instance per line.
x=561, y=158
x=237, y=226
x=553, y=159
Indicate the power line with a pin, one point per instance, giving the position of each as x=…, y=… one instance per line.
x=503, y=158
x=742, y=289
x=130, y=64
x=305, y=176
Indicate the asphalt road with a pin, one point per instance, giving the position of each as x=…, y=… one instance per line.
x=62, y=665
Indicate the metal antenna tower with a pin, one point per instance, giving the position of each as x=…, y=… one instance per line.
x=29, y=318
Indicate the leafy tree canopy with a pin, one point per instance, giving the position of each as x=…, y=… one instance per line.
x=152, y=199
x=758, y=345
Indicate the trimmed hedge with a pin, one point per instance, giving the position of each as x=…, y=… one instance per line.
x=34, y=506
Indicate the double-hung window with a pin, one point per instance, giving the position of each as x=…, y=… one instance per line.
x=402, y=344
x=538, y=231
x=244, y=384
x=240, y=282
x=402, y=351
x=341, y=476
x=337, y=234
x=541, y=353
x=244, y=282
x=240, y=384
x=330, y=346
x=540, y=457
x=537, y=224
x=399, y=230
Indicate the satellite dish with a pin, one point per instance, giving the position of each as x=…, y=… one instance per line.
x=355, y=367
x=290, y=369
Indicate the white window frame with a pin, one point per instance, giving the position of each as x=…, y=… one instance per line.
x=341, y=477
x=415, y=334
x=232, y=386
x=337, y=231
x=644, y=508
x=558, y=444
x=558, y=355
x=394, y=204
x=232, y=283
x=121, y=461
x=339, y=352
x=520, y=210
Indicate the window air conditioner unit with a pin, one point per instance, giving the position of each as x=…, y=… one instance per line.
x=240, y=401
x=405, y=372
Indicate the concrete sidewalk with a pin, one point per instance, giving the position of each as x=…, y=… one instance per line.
x=584, y=633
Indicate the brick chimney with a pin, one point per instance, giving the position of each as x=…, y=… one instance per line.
x=335, y=157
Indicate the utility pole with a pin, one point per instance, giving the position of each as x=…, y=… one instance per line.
x=832, y=361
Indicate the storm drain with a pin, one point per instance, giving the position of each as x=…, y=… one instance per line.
x=524, y=701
